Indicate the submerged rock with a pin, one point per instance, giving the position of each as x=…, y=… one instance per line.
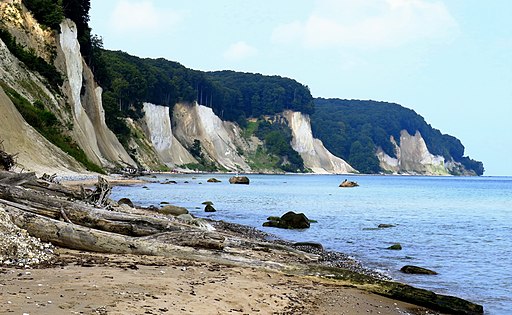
x=385, y=226
x=417, y=270
x=289, y=220
x=239, y=180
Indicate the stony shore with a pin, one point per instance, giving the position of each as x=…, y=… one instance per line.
x=251, y=275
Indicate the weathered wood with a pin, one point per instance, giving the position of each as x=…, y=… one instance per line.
x=75, y=236
x=17, y=179
x=84, y=214
x=100, y=195
x=7, y=161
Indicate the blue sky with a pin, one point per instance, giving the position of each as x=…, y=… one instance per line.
x=450, y=61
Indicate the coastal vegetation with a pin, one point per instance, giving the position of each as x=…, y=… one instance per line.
x=32, y=61
x=45, y=122
x=354, y=129
x=351, y=129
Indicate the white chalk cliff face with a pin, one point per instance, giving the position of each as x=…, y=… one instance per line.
x=168, y=148
x=218, y=138
x=89, y=128
x=413, y=157
x=316, y=157
x=35, y=153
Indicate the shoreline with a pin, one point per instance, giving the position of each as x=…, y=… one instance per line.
x=92, y=283
x=282, y=291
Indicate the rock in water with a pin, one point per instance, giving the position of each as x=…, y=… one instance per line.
x=395, y=247
x=239, y=180
x=209, y=208
x=348, y=183
x=289, y=220
x=417, y=270
x=172, y=210
x=213, y=180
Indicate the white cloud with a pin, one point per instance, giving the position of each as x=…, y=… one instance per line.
x=369, y=24
x=239, y=51
x=142, y=17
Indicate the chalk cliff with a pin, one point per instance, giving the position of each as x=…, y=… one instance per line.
x=34, y=152
x=77, y=106
x=89, y=128
x=159, y=139
x=316, y=157
x=219, y=139
x=412, y=157
x=159, y=131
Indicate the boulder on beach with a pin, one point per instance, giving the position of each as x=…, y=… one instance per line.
x=125, y=201
x=172, y=210
x=348, y=183
x=417, y=270
x=239, y=180
x=213, y=180
x=289, y=220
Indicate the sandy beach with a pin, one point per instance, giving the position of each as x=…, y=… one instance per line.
x=88, y=283
x=231, y=270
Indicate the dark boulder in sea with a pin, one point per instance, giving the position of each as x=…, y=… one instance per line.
x=417, y=270
x=172, y=210
x=396, y=246
x=348, y=183
x=239, y=180
x=385, y=226
x=125, y=201
x=213, y=180
x=209, y=208
x=289, y=220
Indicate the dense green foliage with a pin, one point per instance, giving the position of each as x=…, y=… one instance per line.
x=277, y=138
x=48, y=125
x=253, y=95
x=353, y=129
x=232, y=95
x=32, y=61
x=47, y=12
x=128, y=81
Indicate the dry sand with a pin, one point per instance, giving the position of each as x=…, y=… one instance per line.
x=84, y=283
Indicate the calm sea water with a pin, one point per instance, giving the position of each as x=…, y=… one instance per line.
x=460, y=227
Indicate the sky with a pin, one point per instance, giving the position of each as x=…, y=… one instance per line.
x=448, y=60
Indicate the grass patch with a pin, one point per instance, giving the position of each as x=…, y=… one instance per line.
x=250, y=130
x=49, y=127
x=209, y=167
x=262, y=160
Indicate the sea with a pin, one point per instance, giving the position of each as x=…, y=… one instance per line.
x=460, y=227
